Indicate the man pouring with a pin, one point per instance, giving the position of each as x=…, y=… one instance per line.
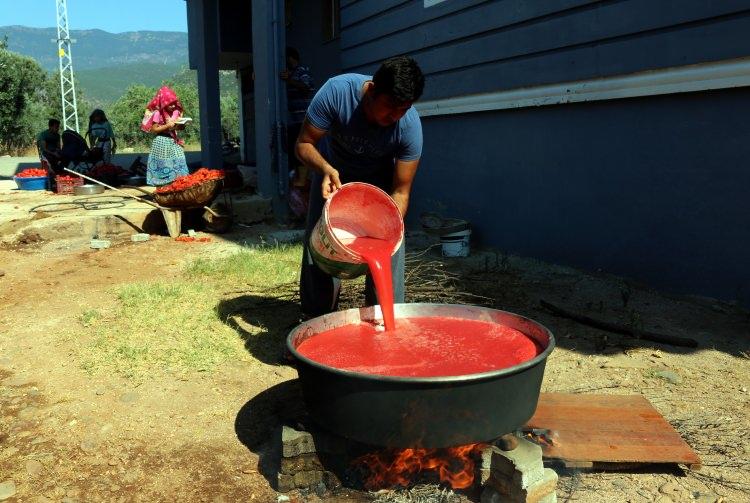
x=360, y=128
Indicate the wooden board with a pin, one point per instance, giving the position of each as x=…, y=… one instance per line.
x=596, y=430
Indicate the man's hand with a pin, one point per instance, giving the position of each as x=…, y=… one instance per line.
x=308, y=153
x=284, y=74
x=331, y=182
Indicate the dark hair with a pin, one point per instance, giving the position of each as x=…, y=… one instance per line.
x=291, y=52
x=53, y=122
x=401, y=78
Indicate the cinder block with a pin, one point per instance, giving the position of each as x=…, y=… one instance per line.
x=307, y=479
x=520, y=467
x=296, y=442
x=331, y=481
x=301, y=463
x=285, y=483
x=538, y=492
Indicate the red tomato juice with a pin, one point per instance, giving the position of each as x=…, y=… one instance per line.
x=377, y=254
x=421, y=347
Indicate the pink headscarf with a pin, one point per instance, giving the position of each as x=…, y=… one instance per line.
x=164, y=97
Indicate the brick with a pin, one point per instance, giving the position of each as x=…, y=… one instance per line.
x=301, y=463
x=331, y=481
x=285, y=483
x=520, y=467
x=538, y=492
x=307, y=479
x=296, y=442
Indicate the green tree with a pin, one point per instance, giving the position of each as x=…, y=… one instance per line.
x=127, y=112
x=230, y=116
x=126, y=115
x=20, y=81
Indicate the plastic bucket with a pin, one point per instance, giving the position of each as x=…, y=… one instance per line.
x=31, y=182
x=355, y=210
x=456, y=244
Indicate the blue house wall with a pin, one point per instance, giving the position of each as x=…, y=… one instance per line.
x=647, y=186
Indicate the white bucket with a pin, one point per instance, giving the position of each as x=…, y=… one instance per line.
x=456, y=244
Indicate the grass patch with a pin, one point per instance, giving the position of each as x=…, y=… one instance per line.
x=89, y=317
x=166, y=326
x=183, y=325
x=262, y=266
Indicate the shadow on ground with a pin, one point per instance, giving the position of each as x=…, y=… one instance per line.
x=263, y=322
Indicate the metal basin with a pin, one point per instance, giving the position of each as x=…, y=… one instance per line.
x=88, y=189
x=421, y=411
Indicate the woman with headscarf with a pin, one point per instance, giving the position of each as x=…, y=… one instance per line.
x=166, y=160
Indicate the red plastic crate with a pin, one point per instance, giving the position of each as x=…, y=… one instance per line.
x=66, y=185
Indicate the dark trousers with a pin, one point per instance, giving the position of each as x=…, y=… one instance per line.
x=318, y=291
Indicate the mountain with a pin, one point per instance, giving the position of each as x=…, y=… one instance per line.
x=100, y=49
x=102, y=86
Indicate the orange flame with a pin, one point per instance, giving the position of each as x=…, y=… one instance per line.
x=399, y=467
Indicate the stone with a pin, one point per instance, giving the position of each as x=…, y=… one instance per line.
x=89, y=444
x=331, y=481
x=668, y=375
x=301, y=463
x=706, y=498
x=140, y=237
x=34, y=467
x=100, y=244
x=28, y=413
x=7, y=489
x=307, y=479
x=129, y=397
x=296, y=442
x=10, y=451
x=520, y=467
x=100, y=391
x=17, y=381
x=192, y=233
x=533, y=493
x=285, y=483
x=282, y=498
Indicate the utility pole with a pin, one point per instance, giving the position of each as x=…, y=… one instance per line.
x=65, y=58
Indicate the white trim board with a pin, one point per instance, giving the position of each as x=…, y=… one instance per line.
x=684, y=79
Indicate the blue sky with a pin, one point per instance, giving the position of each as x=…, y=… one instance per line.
x=114, y=16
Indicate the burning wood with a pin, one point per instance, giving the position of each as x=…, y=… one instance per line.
x=391, y=468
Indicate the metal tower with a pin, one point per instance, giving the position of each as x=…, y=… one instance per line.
x=67, y=84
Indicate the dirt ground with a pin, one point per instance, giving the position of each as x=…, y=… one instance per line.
x=69, y=436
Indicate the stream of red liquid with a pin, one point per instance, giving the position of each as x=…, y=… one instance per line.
x=421, y=347
x=377, y=254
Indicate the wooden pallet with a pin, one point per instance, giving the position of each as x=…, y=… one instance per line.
x=606, y=431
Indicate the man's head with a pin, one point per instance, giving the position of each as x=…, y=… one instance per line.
x=396, y=85
x=53, y=125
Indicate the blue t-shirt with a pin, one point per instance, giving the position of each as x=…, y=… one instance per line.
x=358, y=149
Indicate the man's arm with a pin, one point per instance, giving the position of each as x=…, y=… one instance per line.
x=403, y=176
x=308, y=154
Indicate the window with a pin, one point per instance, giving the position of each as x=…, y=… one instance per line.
x=331, y=20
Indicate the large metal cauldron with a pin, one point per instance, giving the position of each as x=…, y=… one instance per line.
x=421, y=411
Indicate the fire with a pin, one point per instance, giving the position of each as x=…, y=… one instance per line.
x=400, y=467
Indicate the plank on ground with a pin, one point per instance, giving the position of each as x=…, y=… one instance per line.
x=613, y=429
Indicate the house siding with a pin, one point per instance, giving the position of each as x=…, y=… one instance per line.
x=649, y=187
x=468, y=46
